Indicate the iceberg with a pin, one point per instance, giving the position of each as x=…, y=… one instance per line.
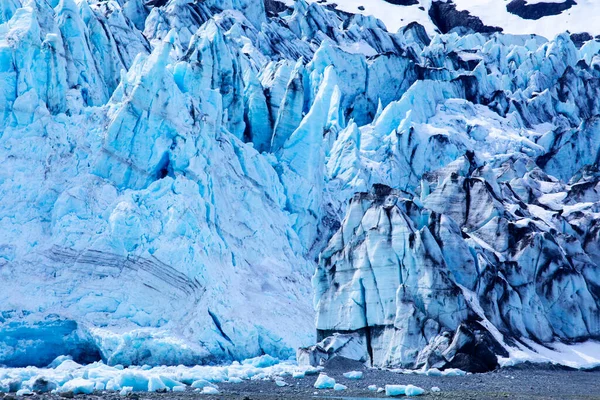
x=338, y=387
x=353, y=375
x=324, y=382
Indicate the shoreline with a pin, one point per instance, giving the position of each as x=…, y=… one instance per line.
x=526, y=381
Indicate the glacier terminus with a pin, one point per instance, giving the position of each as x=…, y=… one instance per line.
x=200, y=182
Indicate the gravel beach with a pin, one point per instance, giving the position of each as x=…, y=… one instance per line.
x=524, y=382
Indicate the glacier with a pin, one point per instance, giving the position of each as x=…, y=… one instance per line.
x=197, y=182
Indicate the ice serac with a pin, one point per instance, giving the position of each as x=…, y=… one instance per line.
x=389, y=277
x=290, y=110
x=302, y=158
x=135, y=227
x=502, y=262
x=491, y=220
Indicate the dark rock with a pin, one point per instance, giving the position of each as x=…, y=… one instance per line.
x=155, y=3
x=275, y=7
x=537, y=10
x=67, y=395
x=402, y=2
x=446, y=17
x=580, y=38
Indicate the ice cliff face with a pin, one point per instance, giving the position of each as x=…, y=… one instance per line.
x=174, y=170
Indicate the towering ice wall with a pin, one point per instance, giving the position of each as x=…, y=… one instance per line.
x=175, y=172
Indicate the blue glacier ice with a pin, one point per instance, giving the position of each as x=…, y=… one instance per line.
x=201, y=182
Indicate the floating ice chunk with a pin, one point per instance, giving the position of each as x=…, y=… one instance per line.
x=111, y=385
x=262, y=361
x=24, y=392
x=433, y=372
x=324, y=382
x=126, y=390
x=435, y=389
x=413, y=390
x=379, y=390
x=395, y=390
x=59, y=360
x=210, y=390
x=235, y=379
x=258, y=376
x=453, y=372
x=78, y=386
x=155, y=384
x=67, y=365
x=399, y=390
x=298, y=374
x=178, y=388
x=135, y=380
x=201, y=383
x=353, y=375
x=339, y=387
x=99, y=386
x=280, y=383
x=372, y=388
x=170, y=382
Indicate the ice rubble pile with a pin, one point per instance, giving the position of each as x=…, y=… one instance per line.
x=172, y=169
x=65, y=375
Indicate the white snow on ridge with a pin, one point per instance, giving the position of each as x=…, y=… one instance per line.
x=393, y=16
x=584, y=355
x=582, y=17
